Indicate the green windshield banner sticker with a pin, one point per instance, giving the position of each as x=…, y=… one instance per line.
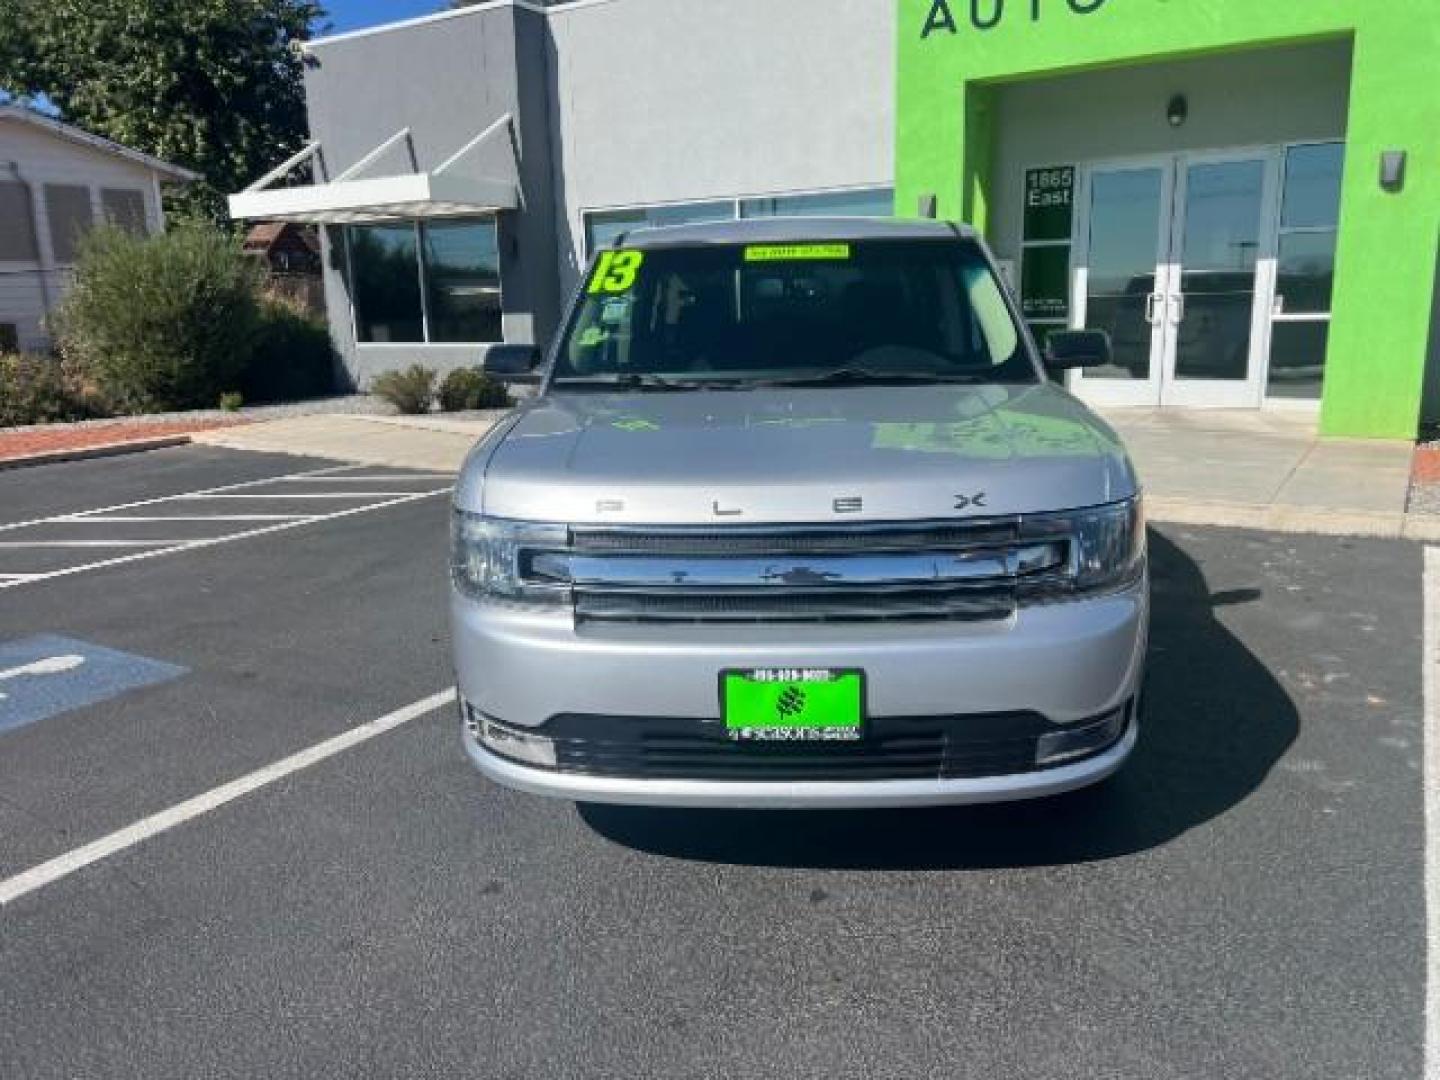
x=793, y=704
x=797, y=253
x=616, y=271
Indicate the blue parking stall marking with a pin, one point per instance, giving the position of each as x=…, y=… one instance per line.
x=45, y=675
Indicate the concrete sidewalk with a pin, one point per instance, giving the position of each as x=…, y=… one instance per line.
x=1261, y=470
x=1269, y=470
x=431, y=443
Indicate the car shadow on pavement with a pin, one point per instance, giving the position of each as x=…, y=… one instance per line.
x=1217, y=722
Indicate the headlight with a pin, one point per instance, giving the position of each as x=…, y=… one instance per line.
x=1107, y=544
x=489, y=557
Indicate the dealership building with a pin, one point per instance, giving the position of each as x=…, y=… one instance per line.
x=1245, y=194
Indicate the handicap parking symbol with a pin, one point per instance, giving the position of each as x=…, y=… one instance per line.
x=45, y=675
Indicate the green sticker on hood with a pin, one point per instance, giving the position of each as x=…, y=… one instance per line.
x=636, y=424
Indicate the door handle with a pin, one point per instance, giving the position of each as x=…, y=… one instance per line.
x=1177, y=311
x=1150, y=314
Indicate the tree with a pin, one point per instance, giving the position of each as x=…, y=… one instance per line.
x=213, y=85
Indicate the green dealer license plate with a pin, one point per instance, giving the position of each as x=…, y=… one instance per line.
x=793, y=704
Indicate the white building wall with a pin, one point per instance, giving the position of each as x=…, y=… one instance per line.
x=664, y=101
x=29, y=290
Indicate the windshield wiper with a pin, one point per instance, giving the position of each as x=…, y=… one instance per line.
x=862, y=377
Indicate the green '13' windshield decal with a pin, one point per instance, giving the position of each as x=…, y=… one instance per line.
x=616, y=271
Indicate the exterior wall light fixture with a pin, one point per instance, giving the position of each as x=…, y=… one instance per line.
x=1178, y=111
x=1392, y=171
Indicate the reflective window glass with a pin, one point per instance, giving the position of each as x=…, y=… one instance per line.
x=462, y=281
x=17, y=224
x=71, y=217
x=1306, y=272
x=385, y=262
x=892, y=308
x=1312, y=186
x=1125, y=212
x=1223, y=204
x=1124, y=231
x=1297, y=359
x=124, y=208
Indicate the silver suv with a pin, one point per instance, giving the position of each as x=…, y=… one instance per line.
x=798, y=518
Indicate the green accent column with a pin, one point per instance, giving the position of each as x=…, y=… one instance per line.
x=1385, y=265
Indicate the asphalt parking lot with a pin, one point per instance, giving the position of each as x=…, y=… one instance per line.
x=1246, y=900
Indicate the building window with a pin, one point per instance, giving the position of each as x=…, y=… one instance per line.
x=603, y=226
x=124, y=208
x=68, y=207
x=870, y=202
x=1305, y=274
x=429, y=282
x=17, y=225
x=462, y=281
x=385, y=262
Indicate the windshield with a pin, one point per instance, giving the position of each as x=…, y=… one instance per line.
x=900, y=310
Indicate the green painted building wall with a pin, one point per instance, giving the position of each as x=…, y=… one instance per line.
x=1387, y=245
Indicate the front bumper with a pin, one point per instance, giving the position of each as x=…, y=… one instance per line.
x=1064, y=662
x=759, y=794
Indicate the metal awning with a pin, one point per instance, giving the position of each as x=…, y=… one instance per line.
x=454, y=188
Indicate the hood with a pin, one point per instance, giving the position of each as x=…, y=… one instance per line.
x=797, y=455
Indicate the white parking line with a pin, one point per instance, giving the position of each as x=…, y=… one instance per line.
x=62, y=866
x=299, y=478
x=1430, y=685
x=22, y=544
x=176, y=517
x=193, y=545
x=166, y=498
x=291, y=497
x=181, y=508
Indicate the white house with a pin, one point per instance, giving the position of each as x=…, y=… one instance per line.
x=56, y=182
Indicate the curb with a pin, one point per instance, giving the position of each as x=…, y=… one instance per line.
x=134, y=446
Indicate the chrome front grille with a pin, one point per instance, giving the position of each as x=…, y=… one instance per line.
x=850, y=573
x=853, y=538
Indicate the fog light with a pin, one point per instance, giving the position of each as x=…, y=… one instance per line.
x=514, y=743
x=1080, y=741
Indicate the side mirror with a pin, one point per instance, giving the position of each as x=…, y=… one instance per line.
x=1066, y=350
x=513, y=363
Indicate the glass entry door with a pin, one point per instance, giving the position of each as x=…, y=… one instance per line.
x=1176, y=261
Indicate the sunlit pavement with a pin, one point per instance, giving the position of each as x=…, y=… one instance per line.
x=1245, y=900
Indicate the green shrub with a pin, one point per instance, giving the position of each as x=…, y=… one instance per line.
x=470, y=388
x=231, y=402
x=412, y=391
x=43, y=389
x=161, y=322
x=292, y=357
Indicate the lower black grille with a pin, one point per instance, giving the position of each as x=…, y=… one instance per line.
x=918, y=748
